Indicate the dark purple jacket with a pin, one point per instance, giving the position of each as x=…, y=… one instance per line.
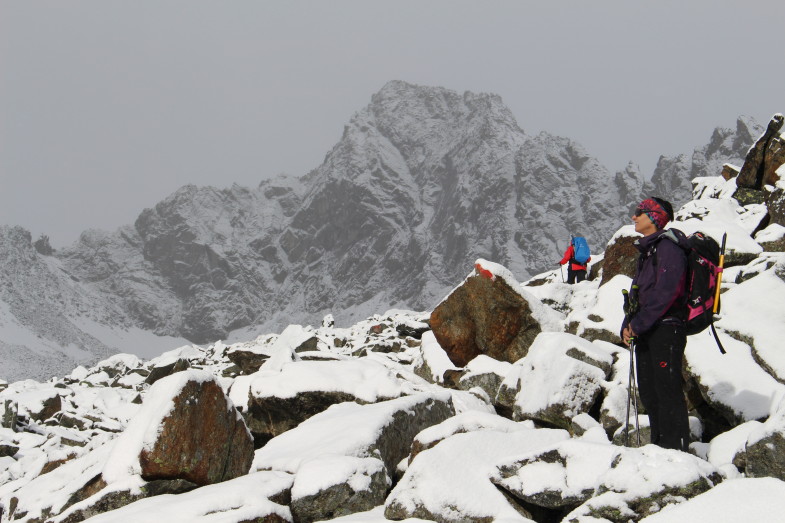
x=661, y=280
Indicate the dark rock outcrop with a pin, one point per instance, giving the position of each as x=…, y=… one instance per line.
x=754, y=171
x=49, y=406
x=248, y=361
x=269, y=416
x=621, y=257
x=766, y=457
x=8, y=450
x=775, y=203
x=162, y=371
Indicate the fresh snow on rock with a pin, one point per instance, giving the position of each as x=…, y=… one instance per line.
x=750, y=499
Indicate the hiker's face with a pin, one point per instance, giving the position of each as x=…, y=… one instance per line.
x=643, y=224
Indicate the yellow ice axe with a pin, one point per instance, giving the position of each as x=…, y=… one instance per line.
x=719, y=275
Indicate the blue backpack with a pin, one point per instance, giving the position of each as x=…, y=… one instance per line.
x=581, y=250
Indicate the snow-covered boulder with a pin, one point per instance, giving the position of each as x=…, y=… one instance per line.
x=118, y=364
x=732, y=384
x=775, y=201
x=563, y=476
x=8, y=451
x=281, y=400
x=43, y=495
x=634, y=434
x=31, y=400
x=634, y=484
x=772, y=238
x=385, y=429
x=716, y=217
x=250, y=356
x=432, y=360
x=561, y=377
x=728, y=449
x=760, y=323
x=489, y=313
x=450, y=482
x=186, y=429
x=471, y=421
x=484, y=372
x=261, y=496
x=600, y=316
x=765, y=449
x=747, y=499
x=334, y=486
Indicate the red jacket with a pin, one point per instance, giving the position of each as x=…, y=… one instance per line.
x=575, y=265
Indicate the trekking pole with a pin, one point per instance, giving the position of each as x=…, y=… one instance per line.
x=632, y=397
x=633, y=387
x=627, y=417
x=719, y=275
x=630, y=308
x=716, y=305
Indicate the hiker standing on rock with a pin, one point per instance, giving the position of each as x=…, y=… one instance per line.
x=578, y=256
x=656, y=329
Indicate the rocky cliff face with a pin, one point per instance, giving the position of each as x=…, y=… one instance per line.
x=672, y=176
x=423, y=182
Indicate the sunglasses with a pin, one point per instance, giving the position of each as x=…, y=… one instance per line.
x=638, y=212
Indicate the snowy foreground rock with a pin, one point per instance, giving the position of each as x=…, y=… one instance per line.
x=507, y=403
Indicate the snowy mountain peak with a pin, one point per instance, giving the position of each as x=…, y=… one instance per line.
x=423, y=182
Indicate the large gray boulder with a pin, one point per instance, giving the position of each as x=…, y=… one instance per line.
x=765, y=450
x=561, y=377
x=262, y=496
x=450, y=481
x=280, y=400
x=334, y=486
x=389, y=429
x=485, y=373
x=603, y=481
x=470, y=421
x=630, y=484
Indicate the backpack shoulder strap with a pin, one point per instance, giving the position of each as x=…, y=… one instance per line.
x=717, y=338
x=677, y=237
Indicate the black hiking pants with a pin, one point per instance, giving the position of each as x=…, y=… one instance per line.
x=659, y=355
x=575, y=276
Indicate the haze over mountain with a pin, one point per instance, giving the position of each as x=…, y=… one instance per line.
x=423, y=182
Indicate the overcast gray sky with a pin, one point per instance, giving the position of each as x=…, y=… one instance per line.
x=107, y=106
